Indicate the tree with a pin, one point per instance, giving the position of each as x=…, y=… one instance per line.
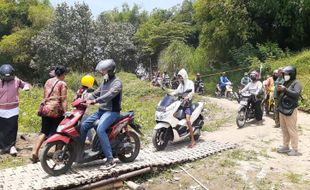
x=75, y=40
x=176, y=56
x=223, y=24
x=20, y=21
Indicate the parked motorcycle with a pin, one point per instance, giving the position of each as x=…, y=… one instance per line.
x=246, y=110
x=171, y=123
x=269, y=104
x=66, y=146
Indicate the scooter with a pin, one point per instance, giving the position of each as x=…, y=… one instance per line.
x=66, y=146
x=171, y=123
x=246, y=110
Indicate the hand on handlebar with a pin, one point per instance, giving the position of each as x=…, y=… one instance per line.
x=90, y=102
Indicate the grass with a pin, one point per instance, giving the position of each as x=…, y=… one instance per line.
x=239, y=154
x=293, y=177
x=9, y=162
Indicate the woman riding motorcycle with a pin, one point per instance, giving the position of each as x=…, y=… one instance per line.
x=255, y=88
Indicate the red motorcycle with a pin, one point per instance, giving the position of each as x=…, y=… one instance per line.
x=66, y=146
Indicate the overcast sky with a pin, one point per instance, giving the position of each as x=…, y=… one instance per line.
x=98, y=6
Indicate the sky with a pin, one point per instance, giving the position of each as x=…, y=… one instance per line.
x=98, y=6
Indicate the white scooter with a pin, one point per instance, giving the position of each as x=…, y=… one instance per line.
x=171, y=122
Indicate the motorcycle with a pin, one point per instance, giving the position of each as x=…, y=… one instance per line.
x=171, y=123
x=246, y=110
x=157, y=81
x=199, y=88
x=166, y=82
x=66, y=146
x=230, y=94
x=175, y=83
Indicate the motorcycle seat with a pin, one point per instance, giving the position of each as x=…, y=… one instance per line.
x=122, y=116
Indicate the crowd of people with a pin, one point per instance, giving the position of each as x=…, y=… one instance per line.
x=282, y=87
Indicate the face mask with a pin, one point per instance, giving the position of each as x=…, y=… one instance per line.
x=287, y=78
x=106, y=77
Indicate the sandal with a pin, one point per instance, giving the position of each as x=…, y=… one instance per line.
x=34, y=158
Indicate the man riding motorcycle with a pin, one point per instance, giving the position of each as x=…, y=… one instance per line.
x=223, y=82
x=109, y=96
x=197, y=82
x=186, y=84
x=255, y=88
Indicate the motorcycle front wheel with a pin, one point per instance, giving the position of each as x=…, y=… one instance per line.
x=159, y=138
x=57, y=158
x=241, y=118
x=133, y=139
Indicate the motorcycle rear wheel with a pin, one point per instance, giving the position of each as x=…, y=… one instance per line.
x=241, y=118
x=51, y=158
x=159, y=139
x=133, y=139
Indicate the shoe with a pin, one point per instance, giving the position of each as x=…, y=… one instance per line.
x=293, y=153
x=108, y=165
x=13, y=151
x=34, y=158
x=283, y=149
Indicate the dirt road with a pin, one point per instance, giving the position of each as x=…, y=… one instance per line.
x=255, y=165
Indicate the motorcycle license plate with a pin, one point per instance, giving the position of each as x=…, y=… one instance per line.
x=244, y=103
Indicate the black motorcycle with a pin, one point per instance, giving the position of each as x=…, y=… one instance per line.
x=199, y=88
x=246, y=110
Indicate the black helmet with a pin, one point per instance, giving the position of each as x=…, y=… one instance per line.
x=290, y=70
x=108, y=64
x=7, y=72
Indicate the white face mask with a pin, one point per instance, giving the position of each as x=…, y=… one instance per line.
x=106, y=77
x=287, y=78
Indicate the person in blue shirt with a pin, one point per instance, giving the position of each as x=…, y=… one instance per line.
x=223, y=82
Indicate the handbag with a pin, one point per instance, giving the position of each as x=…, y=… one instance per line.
x=41, y=109
x=287, y=103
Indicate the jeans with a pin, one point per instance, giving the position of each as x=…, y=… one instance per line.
x=106, y=118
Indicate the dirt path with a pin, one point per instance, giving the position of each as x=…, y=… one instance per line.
x=255, y=165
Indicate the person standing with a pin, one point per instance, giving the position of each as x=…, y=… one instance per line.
x=55, y=98
x=278, y=81
x=9, y=108
x=288, y=102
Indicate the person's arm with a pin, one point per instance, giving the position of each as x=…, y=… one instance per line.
x=111, y=93
x=63, y=96
x=295, y=91
x=245, y=88
x=222, y=80
x=177, y=91
x=23, y=85
x=191, y=94
x=95, y=94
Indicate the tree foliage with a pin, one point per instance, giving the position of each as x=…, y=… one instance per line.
x=75, y=40
x=176, y=56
